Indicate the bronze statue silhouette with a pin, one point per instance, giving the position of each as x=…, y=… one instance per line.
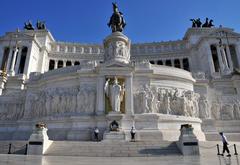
x=210, y=23
x=117, y=22
x=28, y=25
x=41, y=25
x=193, y=23
x=196, y=23
x=206, y=24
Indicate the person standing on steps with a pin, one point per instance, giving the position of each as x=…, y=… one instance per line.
x=133, y=132
x=96, y=133
x=225, y=144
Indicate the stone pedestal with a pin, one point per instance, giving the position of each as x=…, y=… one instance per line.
x=114, y=136
x=110, y=135
x=117, y=116
x=38, y=142
x=117, y=48
x=188, y=142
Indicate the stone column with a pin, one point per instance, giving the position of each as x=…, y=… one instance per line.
x=172, y=62
x=64, y=63
x=181, y=63
x=210, y=59
x=1, y=54
x=129, y=96
x=237, y=47
x=100, y=104
x=230, y=63
x=9, y=59
x=55, y=64
x=74, y=49
x=28, y=66
x=65, y=49
x=11, y=71
x=58, y=48
x=18, y=60
x=164, y=62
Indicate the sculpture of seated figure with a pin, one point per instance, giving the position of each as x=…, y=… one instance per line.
x=114, y=126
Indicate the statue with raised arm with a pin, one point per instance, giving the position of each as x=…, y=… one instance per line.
x=117, y=22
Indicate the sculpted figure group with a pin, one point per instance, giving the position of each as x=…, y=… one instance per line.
x=81, y=100
x=40, y=25
x=170, y=101
x=185, y=103
x=61, y=101
x=227, y=110
x=117, y=49
x=196, y=23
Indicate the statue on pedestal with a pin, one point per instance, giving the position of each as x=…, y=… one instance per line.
x=117, y=22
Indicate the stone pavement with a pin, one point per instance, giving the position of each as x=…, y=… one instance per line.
x=207, y=149
x=163, y=160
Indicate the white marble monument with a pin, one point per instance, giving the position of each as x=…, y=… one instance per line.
x=158, y=86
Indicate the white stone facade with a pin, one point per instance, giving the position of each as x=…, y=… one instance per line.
x=62, y=84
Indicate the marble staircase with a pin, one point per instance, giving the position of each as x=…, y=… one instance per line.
x=110, y=149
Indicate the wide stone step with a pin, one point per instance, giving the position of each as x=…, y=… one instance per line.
x=17, y=147
x=108, y=149
x=215, y=136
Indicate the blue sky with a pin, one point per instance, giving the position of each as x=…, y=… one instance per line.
x=85, y=21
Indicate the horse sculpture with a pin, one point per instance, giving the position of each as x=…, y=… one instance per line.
x=196, y=23
x=28, y=25
x=117, y=22
x=41, y=25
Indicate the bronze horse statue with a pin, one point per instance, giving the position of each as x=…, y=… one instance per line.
x=117, y=22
